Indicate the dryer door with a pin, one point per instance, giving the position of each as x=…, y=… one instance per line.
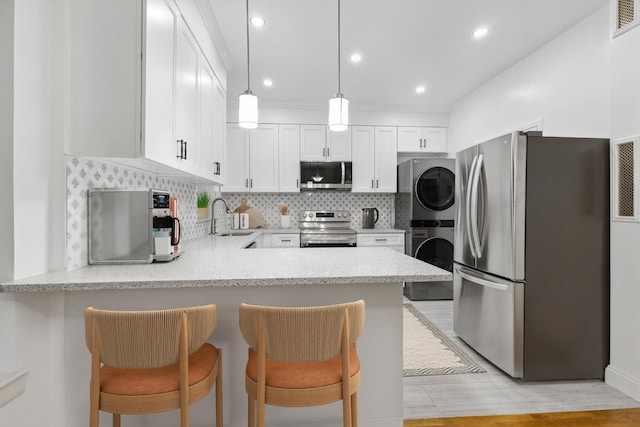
x=436, y=251
x=435, y=188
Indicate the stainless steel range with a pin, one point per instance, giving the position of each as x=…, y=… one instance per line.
x=326, y=229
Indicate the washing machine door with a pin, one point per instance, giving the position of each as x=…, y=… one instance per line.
x=435, y=188
x=436, y=251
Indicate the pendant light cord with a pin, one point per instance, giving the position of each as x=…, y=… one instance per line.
x=248, y=67
x=338, y=46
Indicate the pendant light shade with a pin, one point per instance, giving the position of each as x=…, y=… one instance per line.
x=338, y=105
x=248, y=110
x=338, y=113
x=248, y=113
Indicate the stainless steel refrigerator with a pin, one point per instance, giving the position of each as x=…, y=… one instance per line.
x=531, y=254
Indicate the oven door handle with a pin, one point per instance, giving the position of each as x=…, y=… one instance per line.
x=343, y=172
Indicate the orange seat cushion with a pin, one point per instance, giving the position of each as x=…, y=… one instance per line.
x=295, y=375
x=137, y=382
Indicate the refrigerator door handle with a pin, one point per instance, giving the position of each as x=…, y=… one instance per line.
x=482, y=282
x=475, y=232
x=468, y=207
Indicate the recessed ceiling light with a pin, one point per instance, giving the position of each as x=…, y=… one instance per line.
x=356, y=57
x=267, y=83
x=420, y=89
x=480, y=32
x=257, y=21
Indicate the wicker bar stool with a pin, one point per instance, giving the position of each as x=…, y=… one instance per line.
x=302, y=356
x=145, y=362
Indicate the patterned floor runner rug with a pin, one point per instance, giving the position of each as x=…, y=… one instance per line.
x=427, y=351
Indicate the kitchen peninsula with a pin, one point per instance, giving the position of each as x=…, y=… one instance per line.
x=50, y=323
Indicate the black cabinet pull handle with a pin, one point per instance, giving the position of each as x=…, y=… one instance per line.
x=179, y=155
x=185, y=150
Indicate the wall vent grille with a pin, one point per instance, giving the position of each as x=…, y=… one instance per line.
x=625, y=196
x=624, y=16
x=626, y=12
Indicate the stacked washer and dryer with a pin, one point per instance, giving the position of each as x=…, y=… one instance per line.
x=425, y=209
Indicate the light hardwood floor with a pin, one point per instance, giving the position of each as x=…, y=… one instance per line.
x=493, y=392
x=608, y=418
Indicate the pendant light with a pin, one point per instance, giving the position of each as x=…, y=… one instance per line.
x=248, y=112
x=338, y=105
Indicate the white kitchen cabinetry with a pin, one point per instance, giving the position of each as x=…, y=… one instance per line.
x=393, y=241
x=288, y=240
x=318, y=145
x=422, y=140
x=186, y=107
x=289, y=158
x=135, y=87
x=374, y=151
x=252, y=159
x=211, y=140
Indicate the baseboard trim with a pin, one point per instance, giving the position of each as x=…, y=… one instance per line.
x=623, y=382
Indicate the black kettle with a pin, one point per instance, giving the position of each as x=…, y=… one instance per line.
x=369, y=217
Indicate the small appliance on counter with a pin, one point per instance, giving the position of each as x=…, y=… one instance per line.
x=369, y=217
x=132, y=227
x=166, y=226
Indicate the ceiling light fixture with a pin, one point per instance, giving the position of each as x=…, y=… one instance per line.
x=248, y=111
x=480, y=32
x=338, y=105
x=356, y=57
x=257, y=21
x=420, y=89
x=267, y=83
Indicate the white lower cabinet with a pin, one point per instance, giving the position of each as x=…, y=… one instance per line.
x=288, y=240
x=252, y=159
x=374, y=157
x=393, y=241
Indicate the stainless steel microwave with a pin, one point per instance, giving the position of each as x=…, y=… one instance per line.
x=325, y=175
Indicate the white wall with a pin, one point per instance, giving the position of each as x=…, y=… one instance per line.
x=38, y=155
x=35, y=195
x=624, y=369
x=565, y=84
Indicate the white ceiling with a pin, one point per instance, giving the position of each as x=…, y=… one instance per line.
x=403, y=43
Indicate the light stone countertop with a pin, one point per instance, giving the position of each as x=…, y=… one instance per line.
x=220, y=261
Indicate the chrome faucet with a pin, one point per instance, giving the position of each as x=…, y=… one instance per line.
x=213, y=213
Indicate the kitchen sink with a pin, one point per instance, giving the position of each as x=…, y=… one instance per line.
x=236, y=233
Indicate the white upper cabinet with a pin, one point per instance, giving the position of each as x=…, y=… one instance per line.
x=186, y=107
x=339, y=146
x=219, y=132
x=160, y=83
x=252, y=158
x=289, y=158
x=374, y=151
x=313, y=142
x=386, y=149
x=237, y=157
x=422, y=140
x=263, y=159
x=317, y=145
x=211, y=137
x=363, y=158
x=141, y=89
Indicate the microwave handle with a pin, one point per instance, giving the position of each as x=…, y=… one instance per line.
x=343, y=171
